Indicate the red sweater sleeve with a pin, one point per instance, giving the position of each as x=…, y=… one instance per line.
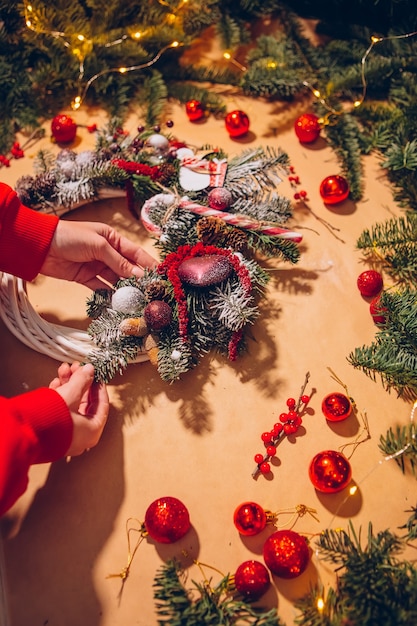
x=35, y=427
x=25, y=236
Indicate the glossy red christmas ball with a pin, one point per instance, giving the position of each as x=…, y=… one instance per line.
x=63, y=129
x=249, y=518
x=330, y=471
x=220, y=198
x=334, y=189
x=378, y=311
x=286, y=553
x=167, y=520
x=252, y=579
x=307, y=127
x=194, y=110
x=370, y=283
x=157, y=314
x=336, y=407
x=237, y=123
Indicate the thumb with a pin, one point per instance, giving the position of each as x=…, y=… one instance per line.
x=78, y=386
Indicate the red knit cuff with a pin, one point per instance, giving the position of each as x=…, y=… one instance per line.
x=46, y=413
x=25, y=236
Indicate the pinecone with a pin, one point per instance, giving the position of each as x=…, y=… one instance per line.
x=44, y=186
x=211, y=230
x=156, y=290
x=24, y=189
x=235, y=238
x=166, y=173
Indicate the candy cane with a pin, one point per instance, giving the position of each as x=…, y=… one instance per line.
x=234, y=219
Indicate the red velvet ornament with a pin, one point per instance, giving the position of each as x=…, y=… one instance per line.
x=252, y=579
x=157, y=314
x=330, y=471
x=203, y=271
x=336, y=407
x=334, y=189
x=167, y=520
x=370, y=283
x=286, y=553
x=220, y=198
x=377, y=311
x=307, y=127
x=249, y=518
x=237, y=123
x=194, y=110
x=63, y=129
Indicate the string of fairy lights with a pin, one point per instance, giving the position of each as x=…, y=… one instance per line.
x=80, y=46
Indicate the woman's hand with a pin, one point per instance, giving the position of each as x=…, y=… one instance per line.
x=84, y=251
x=87, y=401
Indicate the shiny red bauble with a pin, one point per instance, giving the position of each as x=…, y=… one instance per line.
x=237, y=123
x=252, y=579
x=307, y=127
x=378, y=311
x=370, y=283
x=334, y=189
x=330, y=471
x=63, y=129
x=220, y=198
x=157, y=314
x=249, y=518
x=167, y=520
x=336, y=407
x=286, y=553
x=194, y=110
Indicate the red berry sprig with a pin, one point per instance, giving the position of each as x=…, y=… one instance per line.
x=289, y=423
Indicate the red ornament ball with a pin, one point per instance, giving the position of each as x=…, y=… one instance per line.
x=249, y=518
x=336, y=407
x=334, y=189
x=370, y=283
x=157, y=314
x=194, y=110
x=330, y=471
x=286, y=553
x=237, y=123
x=167, y=520
x=252, y=579
x=63, y=129
x=307, y=127
x=378, y=311
x=220, y=198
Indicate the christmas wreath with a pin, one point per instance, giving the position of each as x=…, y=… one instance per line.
x=209, y=216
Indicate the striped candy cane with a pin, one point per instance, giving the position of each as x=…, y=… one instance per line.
x=234, y=219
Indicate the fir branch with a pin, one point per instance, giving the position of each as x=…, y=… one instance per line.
x=402, y=444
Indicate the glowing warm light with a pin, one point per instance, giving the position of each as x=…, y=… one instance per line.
x=316, y=93
x=122, y=70
x=175, y=44
x=28, y=23
x=227, y=55
x=80, y=37
x=375, y=39
x=137, y=35
x=171, y=18
x=320, y=604
x=353, y=490
x=271, y=65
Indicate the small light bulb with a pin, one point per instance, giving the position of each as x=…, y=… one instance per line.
x=80, y=37
x=28, y=23
x=175, y=44
x=227, y=55
x=320, y=604
x=122, y=70
x=272, y=65
x=316, y=93
x=29, y=8
x=357, y=103
x=137, y=35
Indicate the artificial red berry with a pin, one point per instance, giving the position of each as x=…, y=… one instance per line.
x=297, y=421
x=297, y=196
x=303, y=194
x=292, y=415
x=264, y=468
x=290, y=428
x=283, y=417
x=266, y=437
x=271, y=450
x=258, y=458
x=170, y=123
x=305, y=399
x=277, y=429
x=290, y=403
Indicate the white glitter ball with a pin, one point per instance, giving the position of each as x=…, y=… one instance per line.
x=128, y=299
x=175, y=355
x=158, y=142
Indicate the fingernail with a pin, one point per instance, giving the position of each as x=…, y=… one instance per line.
x=90, y=369
x=137, y=272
